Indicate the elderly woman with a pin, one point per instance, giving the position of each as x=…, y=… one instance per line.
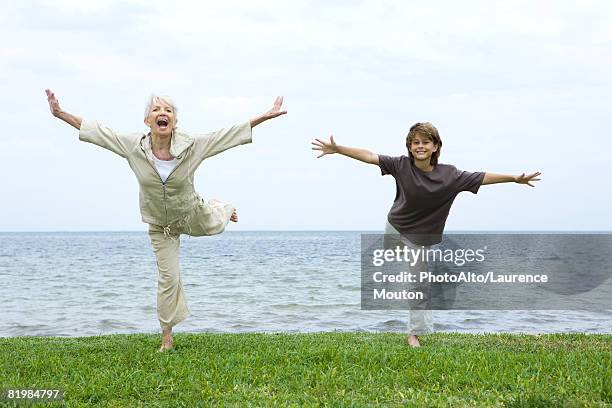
x=164, y=161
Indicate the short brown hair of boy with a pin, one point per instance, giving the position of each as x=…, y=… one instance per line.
x=427, y=131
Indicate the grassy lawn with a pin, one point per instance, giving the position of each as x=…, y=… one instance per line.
x=319, y=369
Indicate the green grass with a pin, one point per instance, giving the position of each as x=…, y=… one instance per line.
x=319, y=369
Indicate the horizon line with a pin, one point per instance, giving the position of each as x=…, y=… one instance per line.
x=317, y=230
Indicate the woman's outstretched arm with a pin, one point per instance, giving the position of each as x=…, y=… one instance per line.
x=272, y=113
x=356, y=153
x=92, y=132
x=214, y=143
x=56, y=111
x=492, y=178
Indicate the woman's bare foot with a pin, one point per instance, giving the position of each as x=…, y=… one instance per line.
x=233, y=218
x=166, y=340
x=413, y=341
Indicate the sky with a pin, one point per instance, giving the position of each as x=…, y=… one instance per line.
x=512, y=86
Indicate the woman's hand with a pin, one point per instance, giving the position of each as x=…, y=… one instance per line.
x=276, y=109
x=271, y=114
x=324, y=147
x=527, y=179
x=54, y=106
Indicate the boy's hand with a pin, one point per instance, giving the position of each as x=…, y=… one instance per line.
x=527, y=179
x=325, y=148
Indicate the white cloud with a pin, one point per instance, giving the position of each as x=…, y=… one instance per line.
x=232, y=106
x=84, y=7
x=488, y=74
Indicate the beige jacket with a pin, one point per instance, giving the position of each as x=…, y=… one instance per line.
x=166, y=203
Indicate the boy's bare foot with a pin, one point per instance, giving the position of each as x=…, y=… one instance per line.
x=413, y=341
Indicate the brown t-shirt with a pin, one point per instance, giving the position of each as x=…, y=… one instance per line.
x=423, y=199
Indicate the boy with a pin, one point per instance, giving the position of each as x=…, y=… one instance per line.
x=425, y=191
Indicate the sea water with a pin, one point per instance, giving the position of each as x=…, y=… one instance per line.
x=91, y=283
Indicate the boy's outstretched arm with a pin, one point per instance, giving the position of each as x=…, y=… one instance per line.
x=331, y=147
x=492, y=178
x=56, y=111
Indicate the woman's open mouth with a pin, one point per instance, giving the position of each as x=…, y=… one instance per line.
x=162, y=123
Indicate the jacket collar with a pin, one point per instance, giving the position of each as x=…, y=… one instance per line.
x=179, y=142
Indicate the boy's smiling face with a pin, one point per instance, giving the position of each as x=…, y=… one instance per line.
x=422, y=148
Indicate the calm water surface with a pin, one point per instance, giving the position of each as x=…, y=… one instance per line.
x=90, y=283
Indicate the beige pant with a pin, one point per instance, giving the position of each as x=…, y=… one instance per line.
x=207, y=219
x=421, y=321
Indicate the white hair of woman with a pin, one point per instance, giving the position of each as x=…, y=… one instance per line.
x=154, y=98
